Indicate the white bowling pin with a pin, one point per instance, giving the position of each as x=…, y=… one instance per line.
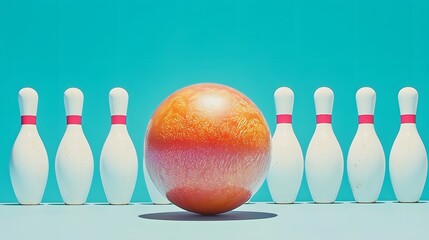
x=74, y=163
x=155, y=195
x=29, y=164
x=366, y=163
x=408, y=160
x=118, y=161
x=287, y=162
x=324, y=163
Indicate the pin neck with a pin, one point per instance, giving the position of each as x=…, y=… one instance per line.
x=408, y=118
x=28, y=120
x=284, y=118
x=74, y=120
x=323, y=118
x=119, y=119
x=366, y=119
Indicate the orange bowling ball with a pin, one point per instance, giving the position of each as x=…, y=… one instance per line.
x=207, y=148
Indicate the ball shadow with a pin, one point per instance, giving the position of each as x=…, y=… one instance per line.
x=367, y=203
x=187, y=216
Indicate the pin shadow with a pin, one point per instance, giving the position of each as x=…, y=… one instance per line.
x=187, y=216
x=288, y=204
x=14, y=204
x=367, y=203
x=410, y=203
x=152, y=204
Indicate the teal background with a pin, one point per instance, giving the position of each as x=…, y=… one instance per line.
x=152, y=48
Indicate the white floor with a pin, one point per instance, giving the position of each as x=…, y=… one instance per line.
x=251, y=221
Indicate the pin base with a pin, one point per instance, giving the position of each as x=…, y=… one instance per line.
x=119, y=204
x=29, y=204
x=74, y=204
x=408, y=201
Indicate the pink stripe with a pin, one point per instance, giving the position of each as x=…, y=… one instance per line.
x=368, y=118
x=323, y=118
x=284, y=118
x=74, y=119
x=28, y=119
x=408, y=118
x=119, y=119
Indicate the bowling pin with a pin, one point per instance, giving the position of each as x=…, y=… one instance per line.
x=408, y=160
x=118, y=161
x=29, y=164
x=155, y=195
x=287, y=162
x=324, y=163
x=74, y=163
x=366, y=163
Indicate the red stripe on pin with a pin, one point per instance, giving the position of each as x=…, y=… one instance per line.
x=368, y=118
x=119, y=119
x=408, y=118
x=323, y=118
x=28, y=119
x=74, y=119
x=284, y=118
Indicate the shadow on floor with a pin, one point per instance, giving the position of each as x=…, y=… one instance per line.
x=187, y=216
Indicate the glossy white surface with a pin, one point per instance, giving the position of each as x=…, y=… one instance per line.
x=251, y=221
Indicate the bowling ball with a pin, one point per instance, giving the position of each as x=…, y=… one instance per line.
x=207, y=148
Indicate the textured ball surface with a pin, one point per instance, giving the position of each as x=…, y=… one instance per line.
x=207, y=148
